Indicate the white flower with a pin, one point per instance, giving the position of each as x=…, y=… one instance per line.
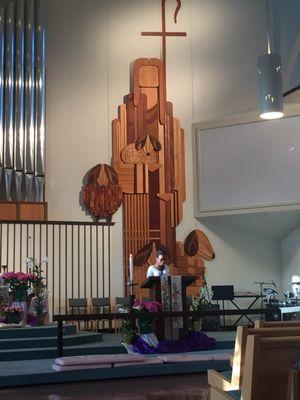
x=29, y=262
x=29, y=291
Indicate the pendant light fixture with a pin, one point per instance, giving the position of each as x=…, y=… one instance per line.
x=270, y=81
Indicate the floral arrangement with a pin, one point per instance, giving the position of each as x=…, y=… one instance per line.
x=128, y=331
x=12, y=310
x=145, y=324
x=198, y=304
x=151, y=306
x=18, y=283
x=35, y=269
x=201, y=300
x=39, y=303
x=12, y=314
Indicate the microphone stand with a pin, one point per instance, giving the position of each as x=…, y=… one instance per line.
x=261, y=290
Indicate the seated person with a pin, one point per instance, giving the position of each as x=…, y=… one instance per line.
x=159, y=268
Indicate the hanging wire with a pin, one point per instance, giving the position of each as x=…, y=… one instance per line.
x=268, y=26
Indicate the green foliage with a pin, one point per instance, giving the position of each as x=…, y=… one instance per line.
x=201, y=300
x=128, y=330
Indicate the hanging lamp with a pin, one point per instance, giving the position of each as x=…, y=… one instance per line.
x=270, y=81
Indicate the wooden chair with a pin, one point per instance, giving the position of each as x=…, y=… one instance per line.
x=268, y=361
x=100, y=305
x=77, y=306
x=122, y=306
x=232, y=380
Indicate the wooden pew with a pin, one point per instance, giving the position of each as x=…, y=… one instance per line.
x=268, y=361
x=293, y=392
x=232, y=380
x=275, y=324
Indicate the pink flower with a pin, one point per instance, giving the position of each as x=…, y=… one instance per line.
x=9, y=275
x=151, y=306
x=13, y=310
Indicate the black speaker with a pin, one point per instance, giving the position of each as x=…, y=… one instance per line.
x=224, y=292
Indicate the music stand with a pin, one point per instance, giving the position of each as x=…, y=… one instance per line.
x=223, y=292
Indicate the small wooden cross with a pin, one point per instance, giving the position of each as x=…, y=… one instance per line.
x=4, y=268
x=163, y=32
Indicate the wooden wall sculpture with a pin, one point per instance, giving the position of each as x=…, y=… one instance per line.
x=149, y=160
x=102, y=194
x=148, y=156
x=191, y=256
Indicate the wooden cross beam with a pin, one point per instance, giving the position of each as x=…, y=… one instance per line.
x=164, y=33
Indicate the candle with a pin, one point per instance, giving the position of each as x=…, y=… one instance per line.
x=130, y=269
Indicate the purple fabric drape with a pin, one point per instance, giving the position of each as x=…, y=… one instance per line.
x=194, y=341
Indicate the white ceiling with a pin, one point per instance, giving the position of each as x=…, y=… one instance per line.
x=274, y=225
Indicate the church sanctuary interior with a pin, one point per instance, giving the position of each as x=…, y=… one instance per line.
x=149, y=199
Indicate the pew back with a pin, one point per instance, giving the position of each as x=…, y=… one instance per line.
x=234, y=382
x=268, y=361
x=269, y=372
x=275, y=324
x=293, y=392
x=240, y=346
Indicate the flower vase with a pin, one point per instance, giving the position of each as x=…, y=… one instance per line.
x=197, y=325
x=127, y=337
x=145, y=325
x=23, y=306
x=13, y=318
x=39, y=309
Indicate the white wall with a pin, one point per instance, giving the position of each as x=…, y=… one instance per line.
x=90, y=47
x=290, y=258
x=242, y=258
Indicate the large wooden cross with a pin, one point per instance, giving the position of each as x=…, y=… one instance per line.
x=163, y=32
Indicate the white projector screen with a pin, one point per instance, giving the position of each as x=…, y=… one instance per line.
x=250, y=165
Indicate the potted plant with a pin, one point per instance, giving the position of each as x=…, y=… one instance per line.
x=19, y=283
x=200, y=303
x=12, y=314
x=145, y=324
x=128, y=331
x=39, y=303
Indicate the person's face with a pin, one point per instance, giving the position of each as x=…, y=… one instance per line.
x=160, y=261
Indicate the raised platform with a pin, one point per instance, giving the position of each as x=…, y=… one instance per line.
x=41, y=342
x=36, y=369
x=35, y=372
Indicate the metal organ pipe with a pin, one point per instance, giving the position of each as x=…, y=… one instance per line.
x=19, y=100
x=40, y=101
x=2, y=49
x=29, y=101
x=9, y=98
x=22, y=101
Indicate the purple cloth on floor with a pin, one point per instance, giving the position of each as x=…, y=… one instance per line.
x=194, y=341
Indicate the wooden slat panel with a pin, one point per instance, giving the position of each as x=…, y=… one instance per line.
x=169, y=149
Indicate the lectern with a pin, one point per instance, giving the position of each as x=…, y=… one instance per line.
x=153, y=283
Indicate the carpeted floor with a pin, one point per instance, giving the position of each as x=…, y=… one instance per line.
x=174, y=387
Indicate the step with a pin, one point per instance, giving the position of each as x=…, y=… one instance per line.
x=51, y=352
x=36, y=372
x=51, y=341
x=35, y=331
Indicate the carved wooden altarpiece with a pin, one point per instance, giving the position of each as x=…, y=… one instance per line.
x=148, y=156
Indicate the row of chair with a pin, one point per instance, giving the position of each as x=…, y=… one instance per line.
x=263, y=365
x=98, y=305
